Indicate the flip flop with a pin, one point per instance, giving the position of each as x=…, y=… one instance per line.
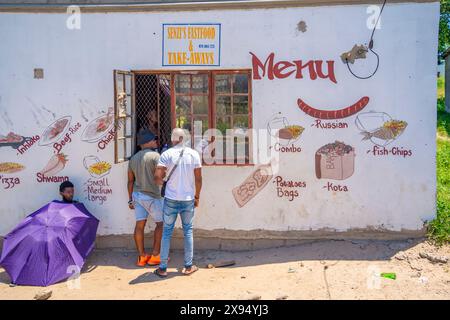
x=158, y=274
x=194, y=268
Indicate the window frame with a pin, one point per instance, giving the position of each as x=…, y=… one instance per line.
x=191, y=94
x=212, y=73
x=121, y=119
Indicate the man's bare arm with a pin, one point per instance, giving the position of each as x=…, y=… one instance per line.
x=160, y=174
x=130, y=184
x=198, y=182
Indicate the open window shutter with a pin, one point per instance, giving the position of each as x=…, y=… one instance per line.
x=124, y=112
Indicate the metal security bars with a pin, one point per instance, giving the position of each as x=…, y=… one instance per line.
x=162, y=100
x=153, y=105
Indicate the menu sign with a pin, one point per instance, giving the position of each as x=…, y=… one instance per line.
x=191, y=44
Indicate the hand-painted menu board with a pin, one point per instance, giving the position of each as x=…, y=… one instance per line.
x=191, y=44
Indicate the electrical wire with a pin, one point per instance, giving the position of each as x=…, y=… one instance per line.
x=370, y=48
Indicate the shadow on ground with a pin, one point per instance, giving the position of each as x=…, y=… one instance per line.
x=318, y=250
x=327, y=250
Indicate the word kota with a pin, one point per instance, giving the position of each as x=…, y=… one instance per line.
x=284, y=69
x=335, y=187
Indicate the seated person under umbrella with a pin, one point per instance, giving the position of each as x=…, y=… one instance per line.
x=44, y=247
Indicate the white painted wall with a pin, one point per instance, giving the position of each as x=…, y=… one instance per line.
x=385, y=192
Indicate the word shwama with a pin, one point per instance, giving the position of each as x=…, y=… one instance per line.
x=284, y=69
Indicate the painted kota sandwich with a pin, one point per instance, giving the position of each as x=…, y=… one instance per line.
x=335, y=161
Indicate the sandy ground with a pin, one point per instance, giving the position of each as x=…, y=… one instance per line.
x=317, y=270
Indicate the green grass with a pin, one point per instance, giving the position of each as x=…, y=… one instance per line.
x=443, y=119
x=441, y=87
x=439, y=228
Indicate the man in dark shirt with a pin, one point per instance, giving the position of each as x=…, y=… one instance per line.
x=66, y=190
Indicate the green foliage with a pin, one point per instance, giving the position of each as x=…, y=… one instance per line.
x=443, y=119
x=444, y=30
x=439, y=228
x=441, y=87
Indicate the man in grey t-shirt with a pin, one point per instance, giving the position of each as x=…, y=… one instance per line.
x=145, y=196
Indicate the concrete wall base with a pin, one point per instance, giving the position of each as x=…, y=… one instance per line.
x=239, y=240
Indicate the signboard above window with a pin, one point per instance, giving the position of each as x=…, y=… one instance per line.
x=195, y=44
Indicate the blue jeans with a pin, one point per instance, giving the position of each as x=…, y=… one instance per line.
x=171, y=209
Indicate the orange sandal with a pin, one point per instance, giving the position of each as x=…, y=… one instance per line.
x=155, y=260
x=142, y=260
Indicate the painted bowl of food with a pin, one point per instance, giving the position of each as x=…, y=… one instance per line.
x=290, y=132
x=279, y=127
x=55, y=131
x=98, y=127
x=95, y=167
x=379, y=127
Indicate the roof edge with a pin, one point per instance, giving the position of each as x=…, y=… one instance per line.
x=186, y=6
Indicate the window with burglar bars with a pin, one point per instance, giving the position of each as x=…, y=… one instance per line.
x=221, y=100
x=153, y=105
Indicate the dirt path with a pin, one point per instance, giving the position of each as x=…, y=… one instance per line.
x=317, y=270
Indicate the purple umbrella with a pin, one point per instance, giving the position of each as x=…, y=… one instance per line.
x=40, y=250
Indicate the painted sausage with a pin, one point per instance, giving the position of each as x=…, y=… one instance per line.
x=333, y=114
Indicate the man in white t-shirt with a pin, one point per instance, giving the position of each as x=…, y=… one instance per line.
x=182, y=167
